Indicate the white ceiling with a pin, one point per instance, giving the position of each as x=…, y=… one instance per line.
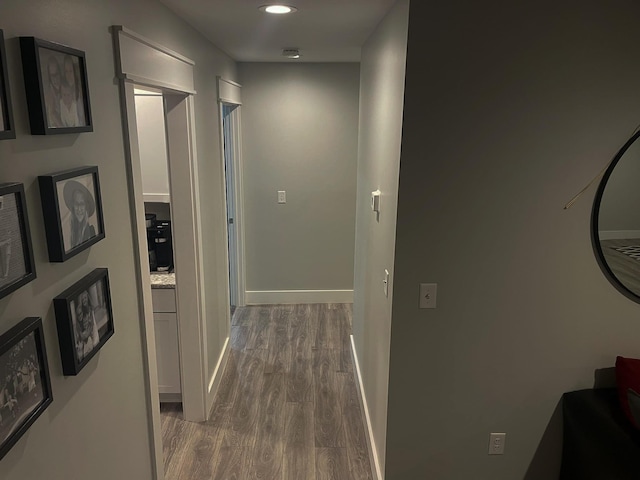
x=323, y=30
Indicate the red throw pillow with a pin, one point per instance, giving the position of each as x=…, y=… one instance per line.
x=628, y=379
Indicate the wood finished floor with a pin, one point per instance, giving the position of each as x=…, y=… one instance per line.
x=287, y=406
x=627, y=269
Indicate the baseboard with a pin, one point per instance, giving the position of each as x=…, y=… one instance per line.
x=214, y=382
x=170, y=398
x=618, y=234
x=364, y=407
x=271, y=297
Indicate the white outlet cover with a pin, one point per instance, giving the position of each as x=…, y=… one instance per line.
x=496, y=443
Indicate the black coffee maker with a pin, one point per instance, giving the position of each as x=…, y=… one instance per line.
x=160, y=244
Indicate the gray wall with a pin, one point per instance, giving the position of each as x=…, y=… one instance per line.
x=510, y=109
x=81, y=434
x=381, y=102
x=299, y=132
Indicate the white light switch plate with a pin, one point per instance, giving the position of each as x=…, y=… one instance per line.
x=386, y=282
x=282, y=196
x=428, y=295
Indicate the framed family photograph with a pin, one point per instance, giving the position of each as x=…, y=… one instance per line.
x=25, y=384
x=84, y=319
x=72, y=209
x=57, y=88
x=7, y=130
x=17, y=267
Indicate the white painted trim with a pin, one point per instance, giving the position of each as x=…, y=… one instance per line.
x=148, y=63
x=150, y=43
x=242, y=277
x=143, y=282
x=371, y=443
x=618, y=234
x=161, y=64
x=187, y=242
x=170, y=398
x=216, y=378
x=232, y=285
x=157, y=197
x=298, y=296
x=148, y=82
x=229, y=92
x=230, y=82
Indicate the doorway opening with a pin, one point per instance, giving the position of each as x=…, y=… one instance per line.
x=142, y=62
x=230, y=147
x=229, y=98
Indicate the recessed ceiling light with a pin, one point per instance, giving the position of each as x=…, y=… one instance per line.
x=278, y=9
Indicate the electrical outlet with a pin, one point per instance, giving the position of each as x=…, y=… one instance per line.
x=282, y=196
x=496, y=443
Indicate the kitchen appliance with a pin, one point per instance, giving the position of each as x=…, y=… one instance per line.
x=149, y=219
x=160, y=245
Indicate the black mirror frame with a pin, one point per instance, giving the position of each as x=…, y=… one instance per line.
x=595, y=236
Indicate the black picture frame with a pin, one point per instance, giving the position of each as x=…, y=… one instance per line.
x=81, y=338
x=59, y=193
x=55, y=105
x=25, y=382
x=17, y=267
x=7, y=127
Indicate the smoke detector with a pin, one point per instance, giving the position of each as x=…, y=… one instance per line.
x=291, y=53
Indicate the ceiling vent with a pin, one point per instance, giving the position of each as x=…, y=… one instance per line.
x=291, y=53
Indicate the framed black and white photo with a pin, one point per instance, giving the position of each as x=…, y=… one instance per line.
x=72, y=210
x=84, y=319
x=7, y=130
x=25, y=385
x=17, y=267
x=57, y=88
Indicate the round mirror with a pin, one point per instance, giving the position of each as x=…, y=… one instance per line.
x=616, y=220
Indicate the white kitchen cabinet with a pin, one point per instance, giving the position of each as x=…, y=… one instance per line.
x=167, y=350
x=153, y=147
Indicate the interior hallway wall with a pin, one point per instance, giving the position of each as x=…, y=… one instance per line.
x=97, y=426
x=510, y=109
x=382, y=75
x=299, y=134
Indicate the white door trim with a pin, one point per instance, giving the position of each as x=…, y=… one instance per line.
x=230, y=93
x=147, y=63
x=187, y=252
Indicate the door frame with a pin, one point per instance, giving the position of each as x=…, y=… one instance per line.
x=229, y=93
x=143, y=62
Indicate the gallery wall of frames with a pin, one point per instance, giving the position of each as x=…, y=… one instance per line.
x=58, y=102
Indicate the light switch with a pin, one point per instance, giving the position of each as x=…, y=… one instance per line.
x=428, y=294
x=282, y=196
x=375, y=201
x=386, y=282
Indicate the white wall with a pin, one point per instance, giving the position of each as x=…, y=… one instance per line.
x=510, y=109
x=382, y=73
x=299, y=131
x=81, y=434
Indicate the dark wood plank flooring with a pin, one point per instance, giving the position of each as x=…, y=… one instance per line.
x=287, y=407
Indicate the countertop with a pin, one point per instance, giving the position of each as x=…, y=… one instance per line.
x=163, y=280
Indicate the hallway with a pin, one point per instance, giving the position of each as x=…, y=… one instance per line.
x=287, y=406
